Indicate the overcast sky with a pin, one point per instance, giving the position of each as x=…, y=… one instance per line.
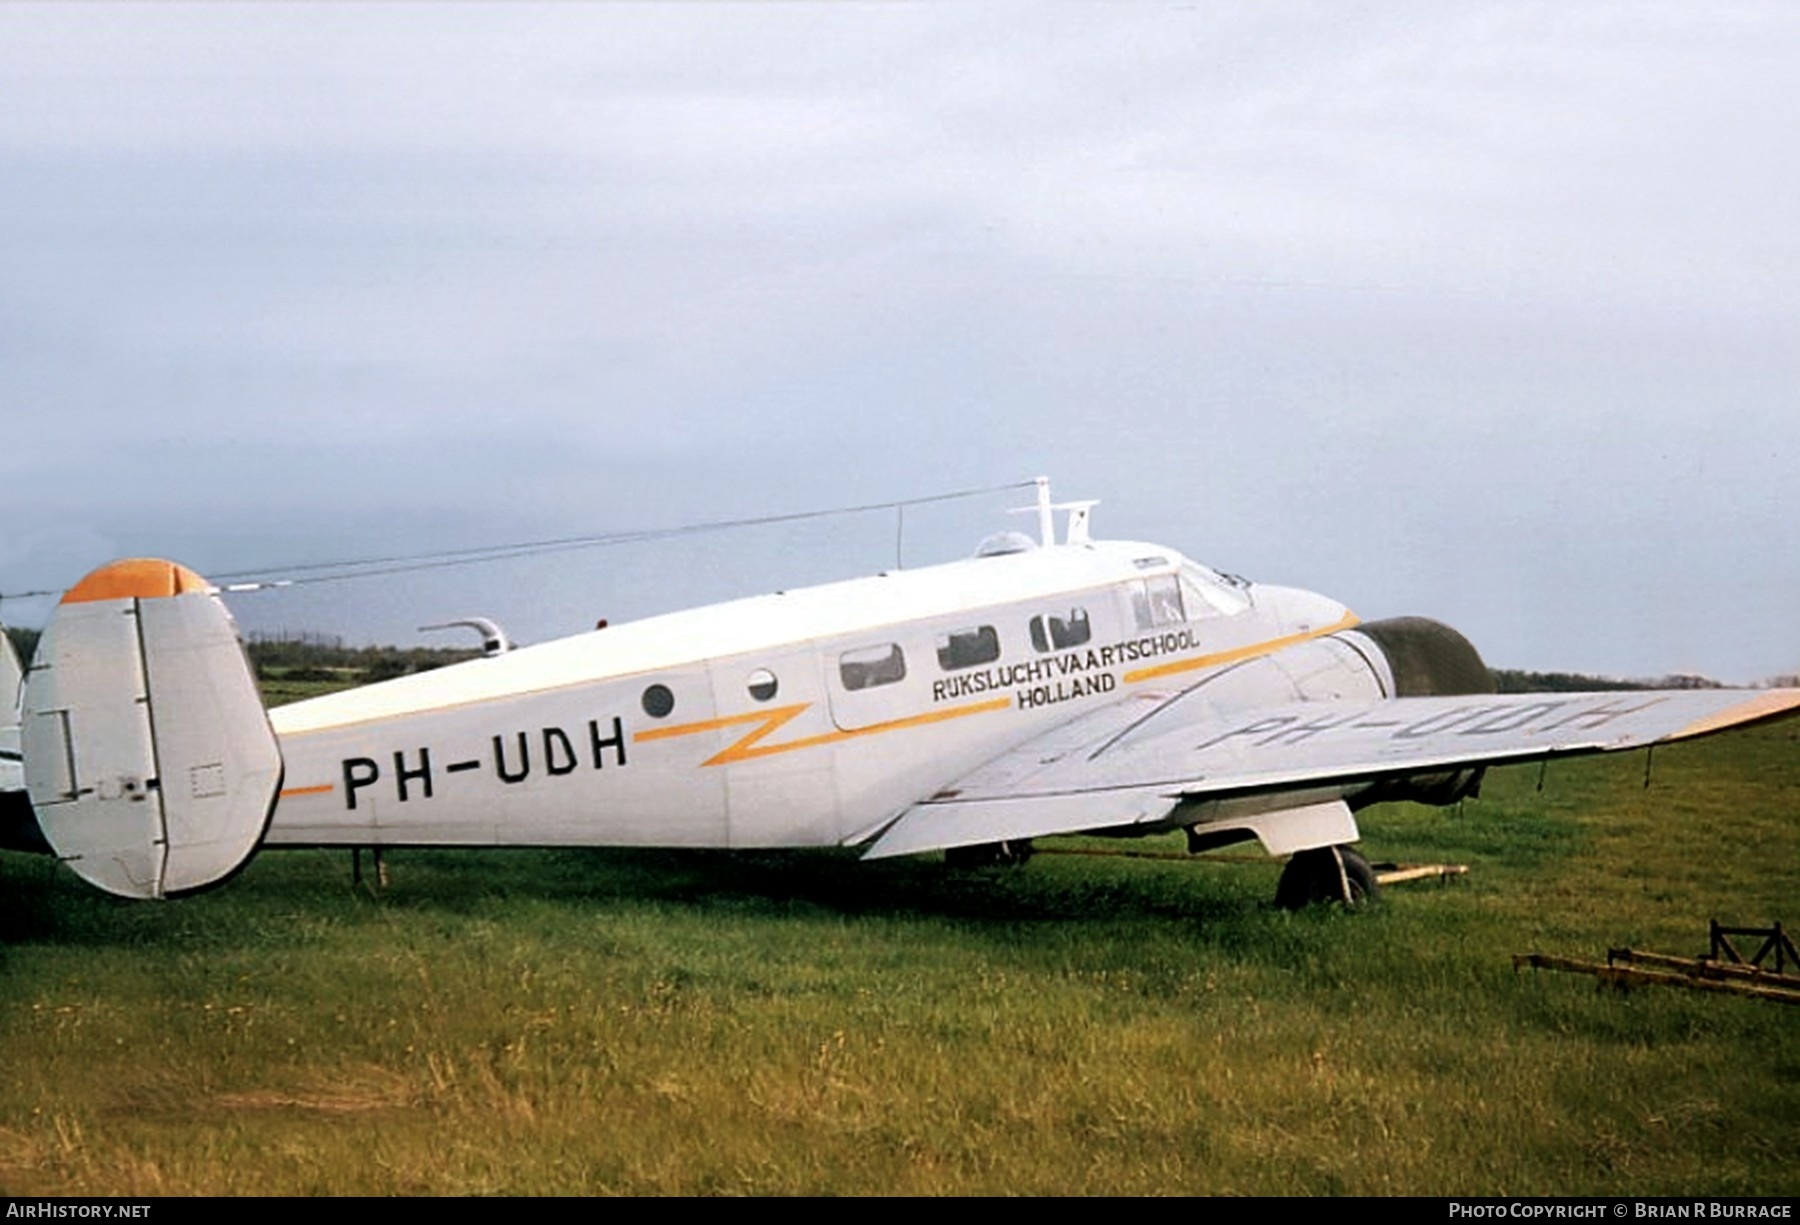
x=1489, y=312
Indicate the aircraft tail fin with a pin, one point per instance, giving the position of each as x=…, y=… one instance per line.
x=12, y=775
x=147, y=752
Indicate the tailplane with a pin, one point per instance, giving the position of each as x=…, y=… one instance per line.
x=147, y=753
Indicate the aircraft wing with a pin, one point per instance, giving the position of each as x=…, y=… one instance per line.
x=1132, y=762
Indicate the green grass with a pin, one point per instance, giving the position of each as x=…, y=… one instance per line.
x=596, y=1021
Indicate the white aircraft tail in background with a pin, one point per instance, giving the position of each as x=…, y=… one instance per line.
x=12, y=774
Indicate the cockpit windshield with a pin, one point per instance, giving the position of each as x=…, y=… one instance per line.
x=1205, y=590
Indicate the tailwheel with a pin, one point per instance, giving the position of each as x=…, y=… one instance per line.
x=1009, y=854
x=1326, y=874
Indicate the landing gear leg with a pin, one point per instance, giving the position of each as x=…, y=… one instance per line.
x=356, y=875
x=989, y=854
x=1326, y=874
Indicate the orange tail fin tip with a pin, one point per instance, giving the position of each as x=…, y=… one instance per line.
x=141, y=578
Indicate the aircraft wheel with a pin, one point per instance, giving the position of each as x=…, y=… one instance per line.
x=1326, y=874
x=989, y=854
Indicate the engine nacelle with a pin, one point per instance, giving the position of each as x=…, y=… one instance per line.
x=1404, y=657
x=1425, y=658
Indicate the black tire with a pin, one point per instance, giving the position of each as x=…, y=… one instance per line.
x=1326, y=874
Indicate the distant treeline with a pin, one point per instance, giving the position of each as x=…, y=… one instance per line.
x=311, y=657
x=1514, y=680
x=314, y=658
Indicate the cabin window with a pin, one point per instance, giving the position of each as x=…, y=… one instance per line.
x=867, y=667
x=968, y=648
x=762, y=684
x=658, y=701
x=1157, y=601
x=1053, y=633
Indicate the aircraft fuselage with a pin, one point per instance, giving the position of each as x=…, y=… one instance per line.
x=809, y=718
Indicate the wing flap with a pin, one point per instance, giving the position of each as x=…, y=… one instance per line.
x=937, y=825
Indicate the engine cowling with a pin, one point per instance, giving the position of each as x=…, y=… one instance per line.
x=1426, y=658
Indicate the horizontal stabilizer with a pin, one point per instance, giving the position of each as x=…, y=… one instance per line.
x=147, y=752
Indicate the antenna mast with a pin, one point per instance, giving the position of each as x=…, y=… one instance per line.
x=1046, y=519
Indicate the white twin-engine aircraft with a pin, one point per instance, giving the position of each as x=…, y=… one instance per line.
x=1036, y=689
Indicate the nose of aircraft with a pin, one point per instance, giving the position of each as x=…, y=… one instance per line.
x=1302, y=612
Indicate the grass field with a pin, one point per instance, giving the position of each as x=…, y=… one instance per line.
x=594, y=1021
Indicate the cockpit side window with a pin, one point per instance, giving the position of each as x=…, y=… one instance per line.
x=1053, y=633
x=1157, y=601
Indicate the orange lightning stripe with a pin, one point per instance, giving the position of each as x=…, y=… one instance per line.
x=1232, y=656
x=749, y=746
